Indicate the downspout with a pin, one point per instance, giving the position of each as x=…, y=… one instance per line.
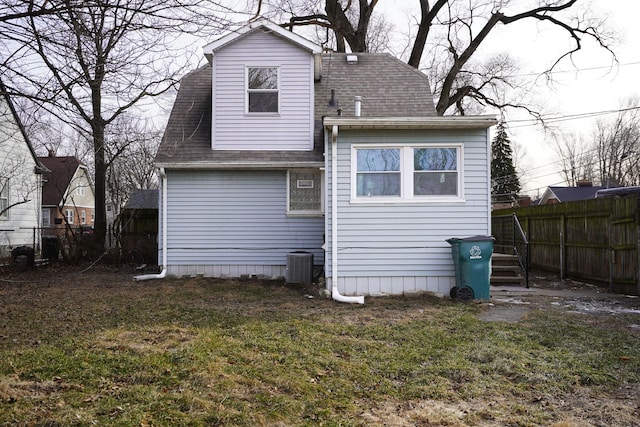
x=163, y=273
x=335, y=294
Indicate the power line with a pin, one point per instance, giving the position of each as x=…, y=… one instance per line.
x=569, y=117
x=577, y=70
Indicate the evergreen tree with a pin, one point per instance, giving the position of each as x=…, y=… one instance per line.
x=505, y=184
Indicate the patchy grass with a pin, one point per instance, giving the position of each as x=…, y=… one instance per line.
x=100, y=349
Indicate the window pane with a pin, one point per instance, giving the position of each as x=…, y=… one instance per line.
x=263, y=102
x=263, y=78
x=302, y=196
x=378, y=160
x=378, y=184
x=440, y=159
x=4, y=197
x=435, y=183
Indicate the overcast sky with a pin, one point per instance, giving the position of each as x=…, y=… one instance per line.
x=592, y=83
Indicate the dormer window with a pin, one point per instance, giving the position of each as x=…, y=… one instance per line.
x=262, y=90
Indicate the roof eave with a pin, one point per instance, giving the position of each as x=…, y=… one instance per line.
x=236, y=165
x=438, y=122
x=211, y=48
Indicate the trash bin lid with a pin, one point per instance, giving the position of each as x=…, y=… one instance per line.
x=478, y=238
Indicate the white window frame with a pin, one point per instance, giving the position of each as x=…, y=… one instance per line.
x=69, y=215
x=46, y=217
x=80, y=191
x=83, y=217
x=248, y=91
x=407, y=175
x=5, y=186
x=320, y=182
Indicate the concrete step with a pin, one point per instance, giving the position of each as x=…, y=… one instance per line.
x=507, y=280
x=502, y=259
x=506, y=271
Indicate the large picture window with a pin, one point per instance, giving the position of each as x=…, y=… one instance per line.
x=412, y=172
x=262, y=90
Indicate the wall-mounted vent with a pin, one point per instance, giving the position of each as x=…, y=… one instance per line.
x=352, y=59
x=299, y=267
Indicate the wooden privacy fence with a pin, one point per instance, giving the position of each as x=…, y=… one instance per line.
x=593, y=240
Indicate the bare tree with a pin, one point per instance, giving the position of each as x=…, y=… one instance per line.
x=447, y=34
x=616, y=144
x=86, y=63
x=133, y=144
x=574, y=157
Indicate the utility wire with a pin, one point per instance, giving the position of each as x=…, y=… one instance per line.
x=577, y=70
x=569, y=117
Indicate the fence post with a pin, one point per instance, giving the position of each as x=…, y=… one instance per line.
x=562, y=247
x=638, y=259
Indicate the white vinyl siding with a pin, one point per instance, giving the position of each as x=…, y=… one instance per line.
x=400, y=246
x=233, y=127
x=18, y=166
x=235, y=222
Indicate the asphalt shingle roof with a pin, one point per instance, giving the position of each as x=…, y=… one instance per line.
x=58, y=179
x=143, y=199
x=388, y=87
x=572, y=194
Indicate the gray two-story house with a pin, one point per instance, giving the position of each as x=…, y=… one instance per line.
x=275, y=148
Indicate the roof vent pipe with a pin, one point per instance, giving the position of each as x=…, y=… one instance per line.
x=358, y=100
x=332, y=101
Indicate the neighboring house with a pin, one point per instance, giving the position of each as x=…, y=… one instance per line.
x=138, y=224
x=67, y=195
x=583, y=191
x=274, y=148
x=20, y=182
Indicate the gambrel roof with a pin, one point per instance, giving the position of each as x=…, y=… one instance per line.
x=388, y=88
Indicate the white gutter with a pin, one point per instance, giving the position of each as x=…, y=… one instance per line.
x=435, y=122
x=208, y=165
x=335, y=294
x=163, y=273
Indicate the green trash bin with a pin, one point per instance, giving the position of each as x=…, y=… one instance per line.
x=472, y=262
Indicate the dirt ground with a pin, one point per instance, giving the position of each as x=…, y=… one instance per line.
x=507, y=304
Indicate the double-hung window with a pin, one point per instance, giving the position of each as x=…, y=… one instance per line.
x=435, y=171
x=69, y=215
x=263, y=90
x=378, y=172
x=4, y=198
x=407, y=173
